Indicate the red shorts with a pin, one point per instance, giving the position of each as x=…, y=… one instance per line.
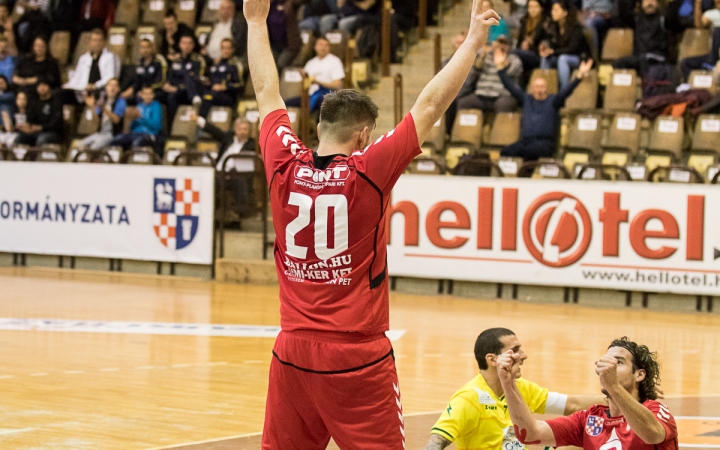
x=325, y=384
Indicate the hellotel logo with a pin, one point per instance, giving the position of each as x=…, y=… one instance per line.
x=176, y=210
x=557, y=229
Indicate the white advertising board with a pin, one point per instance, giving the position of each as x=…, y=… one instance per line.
x=616, y=235
x=154, y=213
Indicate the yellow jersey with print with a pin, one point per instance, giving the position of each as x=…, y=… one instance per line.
x=477, y=419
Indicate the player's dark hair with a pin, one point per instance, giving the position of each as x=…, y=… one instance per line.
x=489, y=343
x=346, y=111
x=644, y=359
x=170, y=12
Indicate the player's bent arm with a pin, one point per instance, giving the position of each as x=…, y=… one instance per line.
x=577, y=403
x=260, y=59
x=436, y=442
x=439, y=93
x=528, y=430
x=639, y=418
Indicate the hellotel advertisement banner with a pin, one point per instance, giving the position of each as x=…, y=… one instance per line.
x=614, y=235
x=153, y=213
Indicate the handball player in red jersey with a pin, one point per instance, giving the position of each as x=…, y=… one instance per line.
x=633, y=420
x=333, y=371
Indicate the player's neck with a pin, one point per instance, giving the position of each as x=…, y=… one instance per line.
x=493, y=381
x=333, y=148
x=614, y=409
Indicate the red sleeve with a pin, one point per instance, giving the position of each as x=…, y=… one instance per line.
x=278, y=143
x=569, y=430
x=384, y=160
x=662, y=414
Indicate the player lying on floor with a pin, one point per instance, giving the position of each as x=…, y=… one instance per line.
x=633, y=418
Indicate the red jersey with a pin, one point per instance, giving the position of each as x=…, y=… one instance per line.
x=329, y=219
x=594, y=429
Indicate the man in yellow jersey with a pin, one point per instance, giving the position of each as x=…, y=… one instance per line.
x=477, y=417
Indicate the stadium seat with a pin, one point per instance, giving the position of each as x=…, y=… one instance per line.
x=703, y=79
x=195, y=159
x=117, y=41
x=294, y=117
x=338, y=43
x=210, y=146
x=624, y=133
x=128, y=13
x=510, y=165
x=667, y=136
x=438, y=136
x=307, y=49
x=88, y=123
x=574, y=160
x=69, y=122
x=210, y=11
x=585, y=96
x=426, y=166
x=291, y=82
x=154, y=12
x=657, y=160
x=202, y=33
x=544, y=168
x=618, y=44
x=253, y=116
x=712, y=172
x=149, y=32
x=59, y=47
x=505, y=129
x=621, y=91
x=173, y=148
x=694, y=42
x=707, y=133
x=182, y=126
x=585, y=134
x=675, y=174
x=550, y=76
x=140, y=155
x=91, y=156
x=82, y=46
x=702, y=161
x=186, y=11
x=453, y=154
x=467, y=128
x=477, y=165
x=221, y=117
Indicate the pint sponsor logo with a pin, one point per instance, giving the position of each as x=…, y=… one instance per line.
x=176, y=209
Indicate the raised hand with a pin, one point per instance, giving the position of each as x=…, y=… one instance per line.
x=480, y=23
x=508, y=366
x=606, y=368
x=584, y=68
x=256, y=10
x=499, y=57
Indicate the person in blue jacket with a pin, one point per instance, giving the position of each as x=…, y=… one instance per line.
x=540, y=110
x=146, y=124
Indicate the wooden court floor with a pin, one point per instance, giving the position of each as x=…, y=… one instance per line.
x=72, y=390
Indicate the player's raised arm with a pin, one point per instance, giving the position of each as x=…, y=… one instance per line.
x=260, y=59
x=527, y=429
x=444, y=87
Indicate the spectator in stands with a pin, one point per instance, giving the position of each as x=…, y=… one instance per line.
x=320, y=16
x=183, y=80
x=146, y=122
x=150, y=71
x=34, y=22
x=110, y=108
x=596, y=16
x=7, y=96
x=93, y=70
x=170, y=36
x=7, y=61
x=11, y=120
x=354, y=14
x=564, y=46
x=532, y=28
x=501, y=29
x=457, y=41
x=224, y=80
x=229, y=26
x=538, y=132
x=6, y=27
x=650, y=42
x=35, y=64
x=96, y=14
x=403, y=19
x=708, y=19
x=283, y=31
x=622, y=13
x=490, y=94
x=234, y=142
x=326, y=72
x=44, y=118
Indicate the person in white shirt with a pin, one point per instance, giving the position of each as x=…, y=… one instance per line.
x=326, y=72
x=228, y=26
x=94, y=69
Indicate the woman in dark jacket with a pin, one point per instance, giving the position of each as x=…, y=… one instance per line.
x=532, y=28
x=564, y=44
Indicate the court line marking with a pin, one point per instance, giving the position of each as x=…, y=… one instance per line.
x=19, y=430
x=153, y=328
